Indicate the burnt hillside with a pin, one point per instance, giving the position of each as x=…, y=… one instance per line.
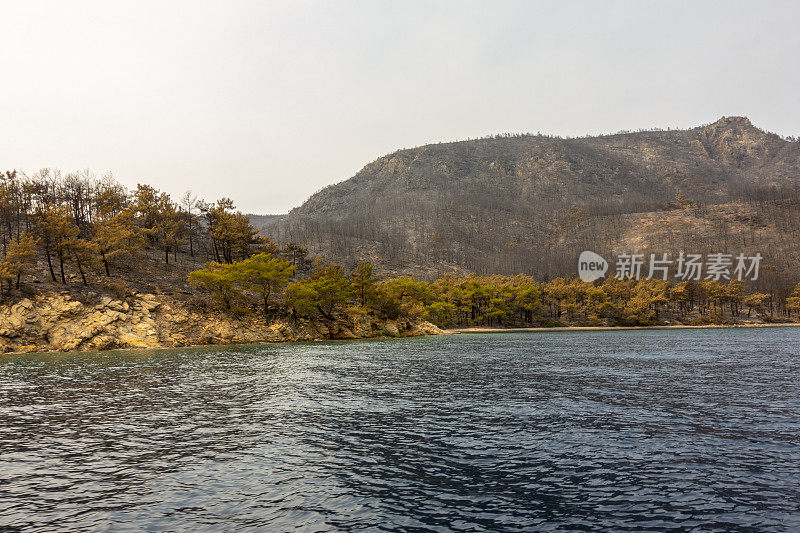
x=531, y=203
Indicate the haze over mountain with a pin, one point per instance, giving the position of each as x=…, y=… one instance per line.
x=530, y=203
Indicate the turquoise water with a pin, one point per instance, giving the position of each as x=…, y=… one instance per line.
x=620, y=430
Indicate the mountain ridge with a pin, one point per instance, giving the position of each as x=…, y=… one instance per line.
x=469, y=205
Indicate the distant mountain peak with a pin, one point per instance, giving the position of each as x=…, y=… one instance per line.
x=735, y=140
x=733, y=121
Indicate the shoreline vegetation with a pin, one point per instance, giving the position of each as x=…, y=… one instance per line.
x=88, y=265
x=327, y=307
x=457, y=331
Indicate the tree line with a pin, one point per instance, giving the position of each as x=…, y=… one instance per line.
x=78, y=225
x=503, y=301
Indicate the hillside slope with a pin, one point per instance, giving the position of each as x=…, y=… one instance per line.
x=531, y=203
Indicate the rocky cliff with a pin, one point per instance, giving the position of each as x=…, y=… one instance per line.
x=61, y=322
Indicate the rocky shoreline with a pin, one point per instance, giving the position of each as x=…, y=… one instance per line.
x=59, y=322
x=65, y=322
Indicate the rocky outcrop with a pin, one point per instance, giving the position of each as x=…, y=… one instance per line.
x=60, y=322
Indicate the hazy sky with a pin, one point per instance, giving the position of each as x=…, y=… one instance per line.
x=269, y=102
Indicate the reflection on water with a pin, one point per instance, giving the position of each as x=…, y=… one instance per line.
x=591, y=430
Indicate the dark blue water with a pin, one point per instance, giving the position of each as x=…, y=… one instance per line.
x=627, y=430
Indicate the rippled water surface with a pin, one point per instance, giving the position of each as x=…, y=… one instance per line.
x=521, y=431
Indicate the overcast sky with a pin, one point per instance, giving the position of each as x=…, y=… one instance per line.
x=269, y=102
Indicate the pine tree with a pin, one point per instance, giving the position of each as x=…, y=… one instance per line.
x=264, y=274
x=363, y=281
x=20, y=257
x=219, y=280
